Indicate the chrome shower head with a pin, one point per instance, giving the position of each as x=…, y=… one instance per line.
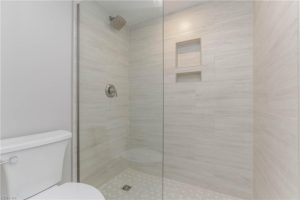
x=117, y=22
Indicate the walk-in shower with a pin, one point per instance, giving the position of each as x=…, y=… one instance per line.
x=150, y=100
x=174, y=98
x=120, y=90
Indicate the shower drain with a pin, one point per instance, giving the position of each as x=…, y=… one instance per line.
x=126, y=188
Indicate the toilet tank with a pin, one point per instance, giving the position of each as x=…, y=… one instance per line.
x=31, y=164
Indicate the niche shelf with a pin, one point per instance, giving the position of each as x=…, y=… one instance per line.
x=185, y=77
x=188, y=53
x=188, y=61
x=188, y=69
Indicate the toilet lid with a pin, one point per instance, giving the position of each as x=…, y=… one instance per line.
x=68, y=191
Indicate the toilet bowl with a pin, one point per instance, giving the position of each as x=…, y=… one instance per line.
x=74, y=191
x=33, y=166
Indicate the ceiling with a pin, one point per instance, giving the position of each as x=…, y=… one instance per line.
x=136, y=11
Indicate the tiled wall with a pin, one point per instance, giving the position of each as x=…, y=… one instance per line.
x=208, y=123
x=146, y=96
x=276, y=100
x=104, y=122
x=133, y=61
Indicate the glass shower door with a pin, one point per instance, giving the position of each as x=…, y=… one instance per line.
x=120, y=104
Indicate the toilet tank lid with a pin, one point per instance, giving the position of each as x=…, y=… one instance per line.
x=25, y=142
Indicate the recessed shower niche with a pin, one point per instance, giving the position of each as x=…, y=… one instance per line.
x=188, y=53
x=188, y=60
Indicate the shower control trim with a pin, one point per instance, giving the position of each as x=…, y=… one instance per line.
x=111, y=91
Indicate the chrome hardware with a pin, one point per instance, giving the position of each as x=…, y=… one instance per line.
x=11, y=160
x=111, y=91
x=126, y=188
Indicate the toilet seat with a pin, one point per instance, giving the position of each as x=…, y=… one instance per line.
x=70, y=191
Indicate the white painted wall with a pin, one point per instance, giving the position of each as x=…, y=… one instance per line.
x=36, y=47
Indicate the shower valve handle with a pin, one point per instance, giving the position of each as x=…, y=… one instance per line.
x=111, y=91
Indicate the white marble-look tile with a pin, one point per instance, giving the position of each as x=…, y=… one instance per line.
x=208, y=124
x=104, y=122
x=146, y=96
x=276, y=85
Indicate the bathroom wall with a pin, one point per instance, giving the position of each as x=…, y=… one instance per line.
x=276, y=167
x=146, y=96
x=104, y=122
x=208, y=123
x=36, y=67
x=36, y=48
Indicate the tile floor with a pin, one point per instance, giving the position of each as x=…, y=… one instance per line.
x=147, y=187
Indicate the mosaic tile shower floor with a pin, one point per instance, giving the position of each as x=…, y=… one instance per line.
x=147, y=187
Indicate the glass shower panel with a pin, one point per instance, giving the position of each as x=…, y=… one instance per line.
x=120, y=80
x=208, y=65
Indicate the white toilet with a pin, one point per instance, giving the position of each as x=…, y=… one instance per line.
x=32, y=169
